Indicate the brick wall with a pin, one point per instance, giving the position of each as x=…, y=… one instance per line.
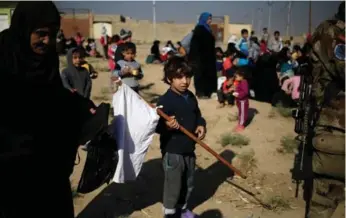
x=72, y=25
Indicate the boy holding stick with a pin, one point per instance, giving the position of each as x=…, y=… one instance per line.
x=177, y=148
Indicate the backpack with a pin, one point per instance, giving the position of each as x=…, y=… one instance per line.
x=185, y=42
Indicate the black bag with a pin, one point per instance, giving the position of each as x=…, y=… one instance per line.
x=101, y=162
x=96, y=125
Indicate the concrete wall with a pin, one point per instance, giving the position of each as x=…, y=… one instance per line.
x=143, y=29
x=236, y=29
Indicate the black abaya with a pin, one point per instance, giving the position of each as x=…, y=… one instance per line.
x=40, y=121
x=202, y=59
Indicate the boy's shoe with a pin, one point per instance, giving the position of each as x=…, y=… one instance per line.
x=171, y=216
x=188, y=214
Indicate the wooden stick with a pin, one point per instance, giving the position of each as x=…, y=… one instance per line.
x=201, y=143
x=193, y=137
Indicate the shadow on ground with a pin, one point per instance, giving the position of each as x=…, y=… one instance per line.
x=123, y=199
x=146, y=87
x=251, y=114
x=214, y=213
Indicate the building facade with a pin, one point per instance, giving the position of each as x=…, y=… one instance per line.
x=6, y=11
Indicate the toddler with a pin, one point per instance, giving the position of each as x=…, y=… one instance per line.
x=128, y=69
x=241, y=93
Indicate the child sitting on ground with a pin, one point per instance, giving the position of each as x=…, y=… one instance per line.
x=219, y=60
x=284, y=67
x=289, y=93
x=225, y=92
x=241, y=93
x=128, y=69
x=75, y=77
x=177, y=149
x=227, y=64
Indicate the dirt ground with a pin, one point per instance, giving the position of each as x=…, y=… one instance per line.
x=214, y=196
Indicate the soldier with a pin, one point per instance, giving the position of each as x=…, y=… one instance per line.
x=327, y=196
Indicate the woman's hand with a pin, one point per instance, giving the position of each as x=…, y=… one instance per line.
x=92, y=111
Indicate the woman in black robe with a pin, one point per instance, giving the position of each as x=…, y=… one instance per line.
x=155, y=51
x=202, y=57
x=40, y=120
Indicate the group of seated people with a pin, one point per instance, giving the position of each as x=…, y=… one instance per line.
x=288, y=74
x=158, y=56
x=87, y=46
x=245, y=53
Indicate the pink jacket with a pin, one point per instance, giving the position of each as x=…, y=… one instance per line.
x=291, y=85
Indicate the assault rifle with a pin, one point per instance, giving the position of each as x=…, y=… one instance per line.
x=304, y=126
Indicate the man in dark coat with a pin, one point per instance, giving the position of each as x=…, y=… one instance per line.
x=202, y=57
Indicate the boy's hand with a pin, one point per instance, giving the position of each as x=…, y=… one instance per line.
x=172, y=124
x=126, y=70
x=236, y=94
x=200, y=131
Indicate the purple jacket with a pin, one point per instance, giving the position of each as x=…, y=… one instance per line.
x=243, y=90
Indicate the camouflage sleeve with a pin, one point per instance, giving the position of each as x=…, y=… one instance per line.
x=325, y=67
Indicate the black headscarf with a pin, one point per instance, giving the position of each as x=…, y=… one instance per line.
x=17, y=60
x=30, y=83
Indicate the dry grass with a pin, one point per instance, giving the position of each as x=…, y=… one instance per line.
x=247, y=160
x=278, y=203
x=288, y=144
x=280, y=110
x=283, y=111
x=232, y=117
x=234, y=140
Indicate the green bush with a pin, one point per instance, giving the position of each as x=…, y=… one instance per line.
x=234, y=139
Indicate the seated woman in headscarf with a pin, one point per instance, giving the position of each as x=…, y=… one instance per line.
x=284, y=67
x=41, y=123
x=61, y=43
x=155, y=55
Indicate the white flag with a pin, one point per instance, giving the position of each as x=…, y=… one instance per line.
x=133, y=127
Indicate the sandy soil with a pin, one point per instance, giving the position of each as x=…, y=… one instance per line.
x=214, y=195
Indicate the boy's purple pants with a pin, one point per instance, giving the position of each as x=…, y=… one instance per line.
x=243, y=107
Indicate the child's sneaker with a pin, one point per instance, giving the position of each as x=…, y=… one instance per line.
x=239, y=128
x=188, y=214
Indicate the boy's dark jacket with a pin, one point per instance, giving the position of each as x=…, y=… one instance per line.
x=187, y=113
x=74, y=78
